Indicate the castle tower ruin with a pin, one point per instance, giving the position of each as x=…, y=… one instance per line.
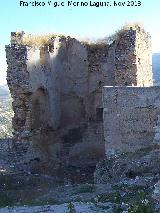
x=57, y=95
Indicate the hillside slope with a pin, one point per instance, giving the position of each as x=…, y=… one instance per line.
x=6, y=112
x=156, y=68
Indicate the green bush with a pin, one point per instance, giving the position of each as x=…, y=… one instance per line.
x=5, y=200
x=142, y=207
x=70, y=208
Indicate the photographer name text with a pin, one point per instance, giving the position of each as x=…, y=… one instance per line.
x=80, y=3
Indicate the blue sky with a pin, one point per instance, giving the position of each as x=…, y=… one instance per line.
x=75, y=21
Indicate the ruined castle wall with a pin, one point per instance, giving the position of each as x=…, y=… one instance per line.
x=58, y=89
x=133, y=58
x=42, y=85
x=125, y=59
x=97, y=77
x=144, y=59
x=130, y=115
x=63, y=74
x=18, y=82
x=57, y=93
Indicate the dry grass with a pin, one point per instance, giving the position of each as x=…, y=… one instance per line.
x=37, y=40
x=95, y=44
x=92, y=42
x=106, y=41
x=41, y=40
x=99, y=45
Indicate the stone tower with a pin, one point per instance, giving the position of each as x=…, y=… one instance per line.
x=57, y=95
x=133, y=61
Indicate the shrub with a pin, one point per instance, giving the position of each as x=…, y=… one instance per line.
x=71, y=208
x=5, y=200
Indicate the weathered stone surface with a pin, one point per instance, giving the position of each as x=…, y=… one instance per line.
x=131, y=130
x=53, y=109
x=57, y=96
x=133, y=59
x=130, y=115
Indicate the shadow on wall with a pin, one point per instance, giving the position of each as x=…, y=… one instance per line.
x=62, y=131
x=40, y=109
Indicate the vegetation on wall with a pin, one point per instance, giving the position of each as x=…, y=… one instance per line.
x=37, y=40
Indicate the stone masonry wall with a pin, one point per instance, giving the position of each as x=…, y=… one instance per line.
x=133, y=58
x=130, y=115
x=57, y=96
x=98, y=76
x=144, y=59
x=56, y=119
x=18, y=82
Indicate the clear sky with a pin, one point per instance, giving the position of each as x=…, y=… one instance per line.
x=81, y=22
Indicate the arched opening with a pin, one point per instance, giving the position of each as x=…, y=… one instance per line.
x=43, y=133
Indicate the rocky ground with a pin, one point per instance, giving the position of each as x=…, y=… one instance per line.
x=26, y=193
x=132, y=188
x=81, y=198
x=64, y=208
x=125, y=183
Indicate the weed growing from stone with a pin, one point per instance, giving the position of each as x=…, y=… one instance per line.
x=71, y=208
